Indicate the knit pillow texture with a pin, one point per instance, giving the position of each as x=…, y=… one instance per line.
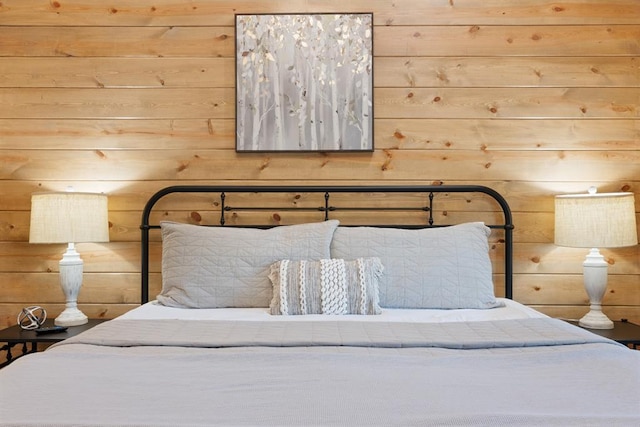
x=327, y=286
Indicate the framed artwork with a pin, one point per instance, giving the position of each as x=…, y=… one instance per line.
x=304, y=82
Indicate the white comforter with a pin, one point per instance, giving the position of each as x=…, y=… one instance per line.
x=137, y=371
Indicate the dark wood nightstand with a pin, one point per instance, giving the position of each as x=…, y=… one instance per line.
x=14, y=335
x=624, y=332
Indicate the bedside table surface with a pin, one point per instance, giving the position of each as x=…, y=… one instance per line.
x=624, y=332
x=15, y=334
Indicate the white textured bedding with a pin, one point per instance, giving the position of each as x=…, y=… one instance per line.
x=511, y=310
x=168, y=373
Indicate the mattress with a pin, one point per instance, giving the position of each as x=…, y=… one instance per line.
x=160, y=366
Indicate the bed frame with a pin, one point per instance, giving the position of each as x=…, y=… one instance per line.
x=328, y=208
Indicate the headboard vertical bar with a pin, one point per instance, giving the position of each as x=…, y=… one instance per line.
x=431, y=208
x=326, y=205
x=222, y=207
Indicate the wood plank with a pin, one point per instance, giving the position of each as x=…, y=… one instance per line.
x=484, y=40
x=125, y=72
x=155, y=42
x=108, y=288
x=506, y=72
x=116, y=72
x=143, y=134
x=508, y=134
x=547, y=258
x=396, y=103
x=568, y=289
x=523, y=196
x=61, y=103
x=397, y=12
x=418, y=40
x=114, y=257
x=472, y=103
x=443, y=165
x=404, y=134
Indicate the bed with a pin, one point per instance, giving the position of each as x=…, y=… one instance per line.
x=327, y=306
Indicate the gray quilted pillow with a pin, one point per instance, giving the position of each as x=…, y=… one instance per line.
x=215, y=267
x=445, y=267
x=328, y=286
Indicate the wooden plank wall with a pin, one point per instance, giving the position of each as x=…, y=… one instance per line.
x=530, y=97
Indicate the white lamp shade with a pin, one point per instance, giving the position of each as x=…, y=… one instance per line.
x=597, y=220
x=69, y=217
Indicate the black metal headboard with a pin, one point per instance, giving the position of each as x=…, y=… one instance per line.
x=327, y=209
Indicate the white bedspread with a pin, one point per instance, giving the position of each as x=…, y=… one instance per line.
x=530, y=371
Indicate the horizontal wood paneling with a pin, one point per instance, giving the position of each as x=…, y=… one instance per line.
x=529, y=97
x=451, y=103
x=386, y=12
x=474, y=40
x=389, y=72
x=406, y=134
x=444, y=165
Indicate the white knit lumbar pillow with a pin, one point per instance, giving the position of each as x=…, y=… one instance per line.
x=327, y=286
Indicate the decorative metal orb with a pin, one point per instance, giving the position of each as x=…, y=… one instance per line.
x=32, y=317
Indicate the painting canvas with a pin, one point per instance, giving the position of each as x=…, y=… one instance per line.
x=304, y=82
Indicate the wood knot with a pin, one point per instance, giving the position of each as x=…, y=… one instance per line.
x=196, y=216
x=558, y=9
x=537, y=288
x=417, y=34
x=536, y=37
x=410, y=95
x=535, y=259
x=55, y=4
x=625, y=187
x=474, y=29
x=487, y=165
x=276, y=217
x=437, y=99
x=398, y=135
x=113, y=11
x=222, y=37
x=493, y=110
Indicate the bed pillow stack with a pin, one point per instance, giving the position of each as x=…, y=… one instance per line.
x=320, y=268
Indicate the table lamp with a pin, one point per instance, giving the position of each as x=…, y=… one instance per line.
x=69, y=217
x=595, y=220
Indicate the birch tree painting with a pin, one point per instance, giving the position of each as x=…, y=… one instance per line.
x=304, y=82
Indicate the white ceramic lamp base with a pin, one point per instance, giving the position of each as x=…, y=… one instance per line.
x=71, y=281
x=595, y=282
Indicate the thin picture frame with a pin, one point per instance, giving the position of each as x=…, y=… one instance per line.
x=304, y=82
